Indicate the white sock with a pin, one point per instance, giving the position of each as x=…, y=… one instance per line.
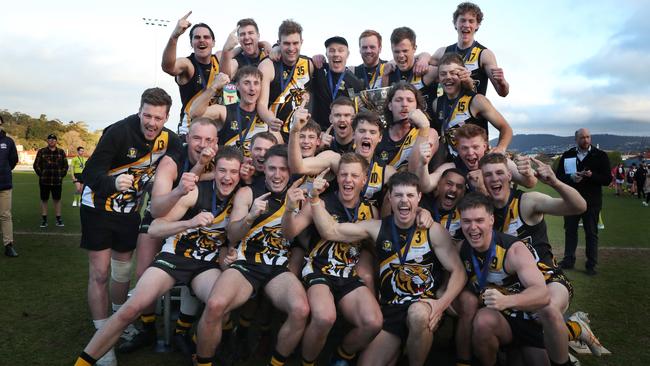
x=109, y=357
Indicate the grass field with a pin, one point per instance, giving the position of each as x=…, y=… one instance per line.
x=45, y=319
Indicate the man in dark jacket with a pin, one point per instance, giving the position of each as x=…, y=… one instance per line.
x=51, y=165
x=8, y=161
x=586, y=169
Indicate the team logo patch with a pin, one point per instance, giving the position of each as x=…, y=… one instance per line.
x=387, y=245
x=383, y=156
x=132, y=153
x=234, y=125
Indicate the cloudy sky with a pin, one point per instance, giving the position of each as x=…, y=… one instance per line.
x=570, y=64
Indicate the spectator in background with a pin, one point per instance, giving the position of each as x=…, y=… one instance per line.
x=51, y=165
x=631, y=183
x=8, y=161
x=640, y=178
x=585, y=168
x=78, y=165
x=619, y=178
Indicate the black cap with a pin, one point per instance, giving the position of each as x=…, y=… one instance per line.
x=336, y=39
x=51, y=136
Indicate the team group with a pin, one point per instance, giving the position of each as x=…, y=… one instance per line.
x=318, y=189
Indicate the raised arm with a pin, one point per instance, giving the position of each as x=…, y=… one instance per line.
x=263, y=110
x=296, y=219
x=227, y=63
x=534, y=296
x=426, y=135
x=494, y=72
x=163, y=197
x=180, y=67
x=522, y=172
x=244, y=212
x=171, y=224
x=312, y=165
x=201, y=106
x=482, y=106
x=328, y=228
x=569, y=203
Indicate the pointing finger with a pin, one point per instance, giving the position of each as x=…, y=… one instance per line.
x=187, y=15
x=329, y=129
x=297, y=183
x=323, y=173
x=264, y=196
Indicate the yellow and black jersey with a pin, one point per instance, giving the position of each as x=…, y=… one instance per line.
x=495, y=274
x=396, y=153
x=429, y=92
x=204, y=75
x=408, y=267
x=123, y=149
x=371, y=76
x=203, y=243
x=288, y=89
x=336, y=258
x=472, y=59
x=243, y=60
x=449, y=219
x=264, y=243
x=452, y=114
x=374, y=183
x=508, y=220
x=240, y=127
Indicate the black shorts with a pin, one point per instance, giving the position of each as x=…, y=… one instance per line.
x=553, y=273
x=339, y=286
x=47, y=189
x=106, y=230
x=78, y=178
x=395, y=320
x=182, y=269
x=525, y=332
x=258, y=275
x=147, y=219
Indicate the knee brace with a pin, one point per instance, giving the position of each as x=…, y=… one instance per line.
x=120, y=271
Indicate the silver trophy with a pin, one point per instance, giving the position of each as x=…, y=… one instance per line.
x=374, y=100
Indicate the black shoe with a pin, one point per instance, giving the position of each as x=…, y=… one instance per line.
x=59, y=223
x=43, y=224
x=10, y=251
x=591, y=271
x=143, y=338
x=566, y=265
x=184, y=344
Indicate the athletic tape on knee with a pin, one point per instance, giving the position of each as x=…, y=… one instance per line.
x=120, y=271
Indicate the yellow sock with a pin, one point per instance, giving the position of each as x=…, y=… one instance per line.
x=574, y=330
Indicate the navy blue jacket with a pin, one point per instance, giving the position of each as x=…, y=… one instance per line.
x=8, y=160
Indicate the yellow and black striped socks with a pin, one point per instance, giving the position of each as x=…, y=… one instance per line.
x=574, y=330
x=342, y=354
x=184, y=323
x=85, y=360
x=148, y=320
x=277, y=359
x=203, y=361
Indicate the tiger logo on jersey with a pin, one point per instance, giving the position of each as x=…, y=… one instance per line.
x=341, y=256
x=274, y=242
x=141, y=177
x=411, y=279
x=205, y=241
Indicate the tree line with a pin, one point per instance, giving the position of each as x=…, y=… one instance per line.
x=32, y=132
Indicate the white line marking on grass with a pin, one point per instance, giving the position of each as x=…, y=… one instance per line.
x=47, y=233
